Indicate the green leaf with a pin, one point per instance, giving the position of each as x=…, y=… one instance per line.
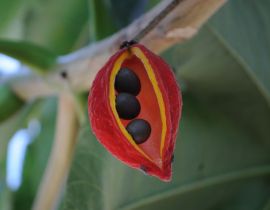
x=28, y=53
x=9, y=102
x=5, y=197
x=209, y=165
x=7, y=9
x=46, y=23
x=56, y=25
x=213, y=73
x=9, y=12
x=246, y=36
x=267, y=205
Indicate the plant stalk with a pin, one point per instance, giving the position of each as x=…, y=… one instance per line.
x=81, y=67
x=61, y=156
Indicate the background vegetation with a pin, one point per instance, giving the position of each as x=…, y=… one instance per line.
x=222, y=157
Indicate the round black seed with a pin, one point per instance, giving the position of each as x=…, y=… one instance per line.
x=127, y=81
x=127, y=106
x=140, y=130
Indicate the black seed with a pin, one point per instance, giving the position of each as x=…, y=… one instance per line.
x=127, y=106
x=140, y=130
x=127, y=81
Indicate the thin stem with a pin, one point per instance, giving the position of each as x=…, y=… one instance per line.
x=155, y=21
x=60, y=159
x=82, y=66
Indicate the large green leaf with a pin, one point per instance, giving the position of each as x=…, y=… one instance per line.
x=246, y=35
x=28, y=53
x=222, y=153
x=57, y=25
x=213, y=72
x=65, y=28
x=209, y=169
x=216, y=78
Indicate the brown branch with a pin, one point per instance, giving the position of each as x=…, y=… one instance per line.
x=81, y=66
x=155, y=21
x=62, y=152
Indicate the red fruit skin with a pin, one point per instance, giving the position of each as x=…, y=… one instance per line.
x=106, y=129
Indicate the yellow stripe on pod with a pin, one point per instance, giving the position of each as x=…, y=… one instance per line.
x=116, y=68
x=138, y=52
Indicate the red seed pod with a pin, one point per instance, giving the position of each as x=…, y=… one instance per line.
x=134, y=107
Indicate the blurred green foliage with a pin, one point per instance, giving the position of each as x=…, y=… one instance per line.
x=9, y=102
x=37, y=155
x=8, y=128
x=222, y=159
x=36, y=57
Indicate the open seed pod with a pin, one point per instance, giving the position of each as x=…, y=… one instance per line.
x=134, y=107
